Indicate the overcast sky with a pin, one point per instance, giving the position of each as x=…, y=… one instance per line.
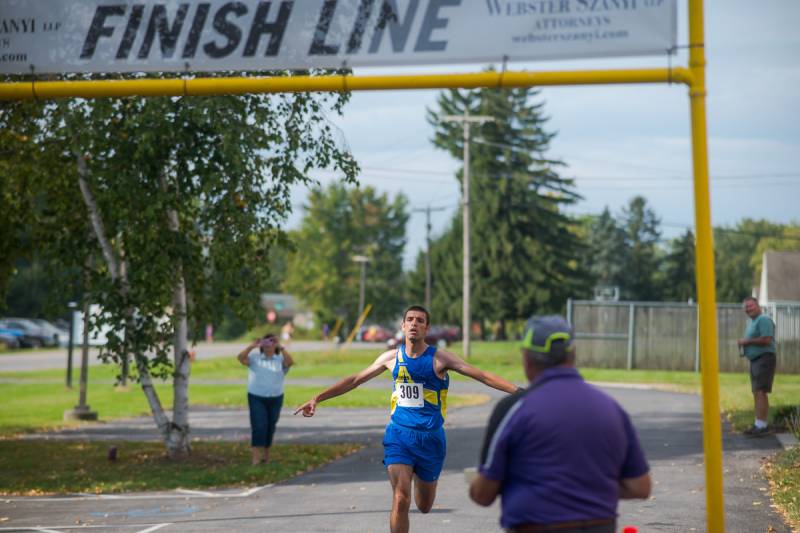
x=619, y=141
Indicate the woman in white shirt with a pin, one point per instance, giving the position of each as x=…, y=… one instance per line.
x=268, y=362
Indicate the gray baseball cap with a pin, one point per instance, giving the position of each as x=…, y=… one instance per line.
x=541, y=332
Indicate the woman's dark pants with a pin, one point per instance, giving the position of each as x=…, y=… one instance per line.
x=264, y=414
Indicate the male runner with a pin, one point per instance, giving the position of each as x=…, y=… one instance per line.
x=414, y=442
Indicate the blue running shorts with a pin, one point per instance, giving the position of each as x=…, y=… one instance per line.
x=424, y=451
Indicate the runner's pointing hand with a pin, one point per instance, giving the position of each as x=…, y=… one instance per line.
x=308, y=408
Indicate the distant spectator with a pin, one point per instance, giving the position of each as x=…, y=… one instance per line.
x=268, y=362
x=758, y=345
x=286, y=332
x=326, y=330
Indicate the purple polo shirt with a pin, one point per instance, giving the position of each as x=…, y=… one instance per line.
x=560, y=451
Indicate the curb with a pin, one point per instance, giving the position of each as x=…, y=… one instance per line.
x=787, y=440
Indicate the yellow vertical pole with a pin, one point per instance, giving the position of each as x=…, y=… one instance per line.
x=704, y=271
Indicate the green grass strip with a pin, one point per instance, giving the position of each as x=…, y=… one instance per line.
x=48, y=467
x=41, y=406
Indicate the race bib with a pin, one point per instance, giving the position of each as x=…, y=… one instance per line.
x=410, y=395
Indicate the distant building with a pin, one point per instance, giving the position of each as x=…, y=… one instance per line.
x=281, y=307
x=780, y=279
x=606, y=293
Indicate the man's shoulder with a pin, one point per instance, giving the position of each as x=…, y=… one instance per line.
x=763, y=319
x=387, y=356
x=507, y=403
x=447, y=359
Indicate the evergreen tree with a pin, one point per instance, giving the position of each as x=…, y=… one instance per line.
x=678, y=279
x=524, y=250
x=446, y=275
x=607, y=252
x=641, y=226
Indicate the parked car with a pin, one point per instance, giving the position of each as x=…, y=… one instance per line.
x=376, y=333
x=437, y=336
x=59, y=336
x=10, y=338
x=33, y=335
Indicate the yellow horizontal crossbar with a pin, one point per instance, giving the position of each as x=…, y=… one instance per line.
x=45, y=90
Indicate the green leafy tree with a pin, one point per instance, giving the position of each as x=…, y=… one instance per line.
x=678, y=277
x=642, y=233
x=734, y=251
x=524, y=250
x=341, y=222
x=170, y=207
x=785, y=239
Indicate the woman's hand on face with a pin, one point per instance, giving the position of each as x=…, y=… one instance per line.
x=272, y=341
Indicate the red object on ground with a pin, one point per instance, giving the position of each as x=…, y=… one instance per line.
x=630, y=529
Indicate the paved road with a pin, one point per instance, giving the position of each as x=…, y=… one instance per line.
x=352, y=495
x=57, y=358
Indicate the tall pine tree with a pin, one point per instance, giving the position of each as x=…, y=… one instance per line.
x=606, y=242
x=642, y=233
x=678, y=280
x=524, y=250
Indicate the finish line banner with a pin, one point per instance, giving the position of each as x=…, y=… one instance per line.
x=61, y=36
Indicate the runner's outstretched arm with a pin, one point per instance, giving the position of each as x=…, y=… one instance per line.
x=349, y=383
x=452, y=362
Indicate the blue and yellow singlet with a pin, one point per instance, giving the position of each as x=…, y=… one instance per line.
x=419, y=397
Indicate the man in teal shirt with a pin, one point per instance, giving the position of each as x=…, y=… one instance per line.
x=758, y=345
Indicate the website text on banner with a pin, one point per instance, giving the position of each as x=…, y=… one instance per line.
x=62, y=36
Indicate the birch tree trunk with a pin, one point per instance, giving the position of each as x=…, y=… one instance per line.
x=178, y=443
x=118, y=272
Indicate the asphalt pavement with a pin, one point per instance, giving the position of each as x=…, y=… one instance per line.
x=353, y=494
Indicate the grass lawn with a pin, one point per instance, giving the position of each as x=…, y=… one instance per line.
x=783, y=472
x=140, y=466
x=30, y=407
x=43, y=404
x=37, y=400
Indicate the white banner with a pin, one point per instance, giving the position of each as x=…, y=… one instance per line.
x=59, y=36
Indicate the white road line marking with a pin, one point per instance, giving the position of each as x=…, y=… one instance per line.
x=252, y=491
x=194, y=492
x=178, y=494
x=61, y=529
x=157, y=526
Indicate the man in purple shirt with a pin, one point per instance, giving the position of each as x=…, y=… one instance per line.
x=561, y=453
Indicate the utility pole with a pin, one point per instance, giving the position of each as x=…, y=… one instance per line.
x=428, y=210
x=466, y=121
x=363, y=260
x=71, y=306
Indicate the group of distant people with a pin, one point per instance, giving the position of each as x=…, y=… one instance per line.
x=560, y=453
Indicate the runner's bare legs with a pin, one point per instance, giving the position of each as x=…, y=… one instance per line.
x=400, y=477
x=424, y=494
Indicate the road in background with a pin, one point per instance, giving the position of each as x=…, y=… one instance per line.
x=57, y=358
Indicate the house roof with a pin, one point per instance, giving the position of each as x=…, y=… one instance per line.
x=783, y=276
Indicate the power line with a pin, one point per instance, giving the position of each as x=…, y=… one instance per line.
x=645, y=167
